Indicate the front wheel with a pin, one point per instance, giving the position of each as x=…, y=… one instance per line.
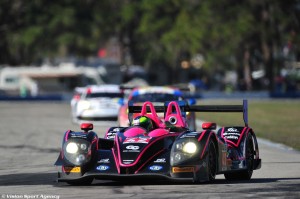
x=208, y=174
x=247, y=174
x=212, y=161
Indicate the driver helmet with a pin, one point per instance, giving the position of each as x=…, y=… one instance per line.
x=144, y=122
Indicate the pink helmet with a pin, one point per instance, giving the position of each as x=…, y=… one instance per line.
x=134, y=131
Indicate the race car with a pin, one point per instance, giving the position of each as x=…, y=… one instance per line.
x=97, y=102
x=157, y=95
x=162, y=149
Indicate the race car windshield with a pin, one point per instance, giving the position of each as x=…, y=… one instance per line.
x=155, y=97
x=109, y=95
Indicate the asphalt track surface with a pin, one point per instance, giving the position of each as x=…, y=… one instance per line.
x=31, y=136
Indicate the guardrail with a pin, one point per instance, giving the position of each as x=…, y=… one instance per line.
x=31, y=98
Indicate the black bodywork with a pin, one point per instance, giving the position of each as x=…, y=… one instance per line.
x=175, y=154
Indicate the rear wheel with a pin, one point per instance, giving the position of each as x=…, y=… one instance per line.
x=247, y=174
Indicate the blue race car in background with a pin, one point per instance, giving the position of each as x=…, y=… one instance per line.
x=158, y=95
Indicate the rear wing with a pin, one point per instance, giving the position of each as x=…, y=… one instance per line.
x=127, y=87
x=199, y=108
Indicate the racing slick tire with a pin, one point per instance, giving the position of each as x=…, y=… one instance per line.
x=211, y=169
x=246, y=174
x=212, y=161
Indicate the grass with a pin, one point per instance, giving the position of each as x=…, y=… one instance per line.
x=275, y=120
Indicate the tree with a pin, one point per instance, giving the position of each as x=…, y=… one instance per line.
x=231, y=35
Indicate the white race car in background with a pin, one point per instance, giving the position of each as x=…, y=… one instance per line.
x=97, y=102
x=75, y=99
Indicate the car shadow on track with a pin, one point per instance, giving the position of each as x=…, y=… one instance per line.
x=50, y=179
x=217, y=181
x=28, y=179
x=153, y=182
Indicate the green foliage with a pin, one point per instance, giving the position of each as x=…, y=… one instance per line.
x=153, y=30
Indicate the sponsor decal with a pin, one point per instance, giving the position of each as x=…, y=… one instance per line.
x=144, y=140
x=78, y=135
x=155, y=168
x=189, y=135
x=102, y=167
x=182, y=169
x=104, y=161
x=232, y=134
x=232, y=137
x=72, y=169
x=232, y=130
x=111, y=135
x=132, y=147
x=127, y=161
x=160, y=160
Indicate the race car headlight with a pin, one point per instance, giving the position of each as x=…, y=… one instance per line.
x=189, y=147
x=183, y=151
x=179, y=146
x=71, y=148
x=77, y=151
x=84, y=105
x=83, y=146
x=178, y=157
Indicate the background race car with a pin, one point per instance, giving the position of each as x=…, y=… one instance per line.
x=162, y=149
x=97, y=103
x=158, y=95
x=75, y=99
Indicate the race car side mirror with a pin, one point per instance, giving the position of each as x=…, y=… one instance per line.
x=86, y=126
x=209, y=125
